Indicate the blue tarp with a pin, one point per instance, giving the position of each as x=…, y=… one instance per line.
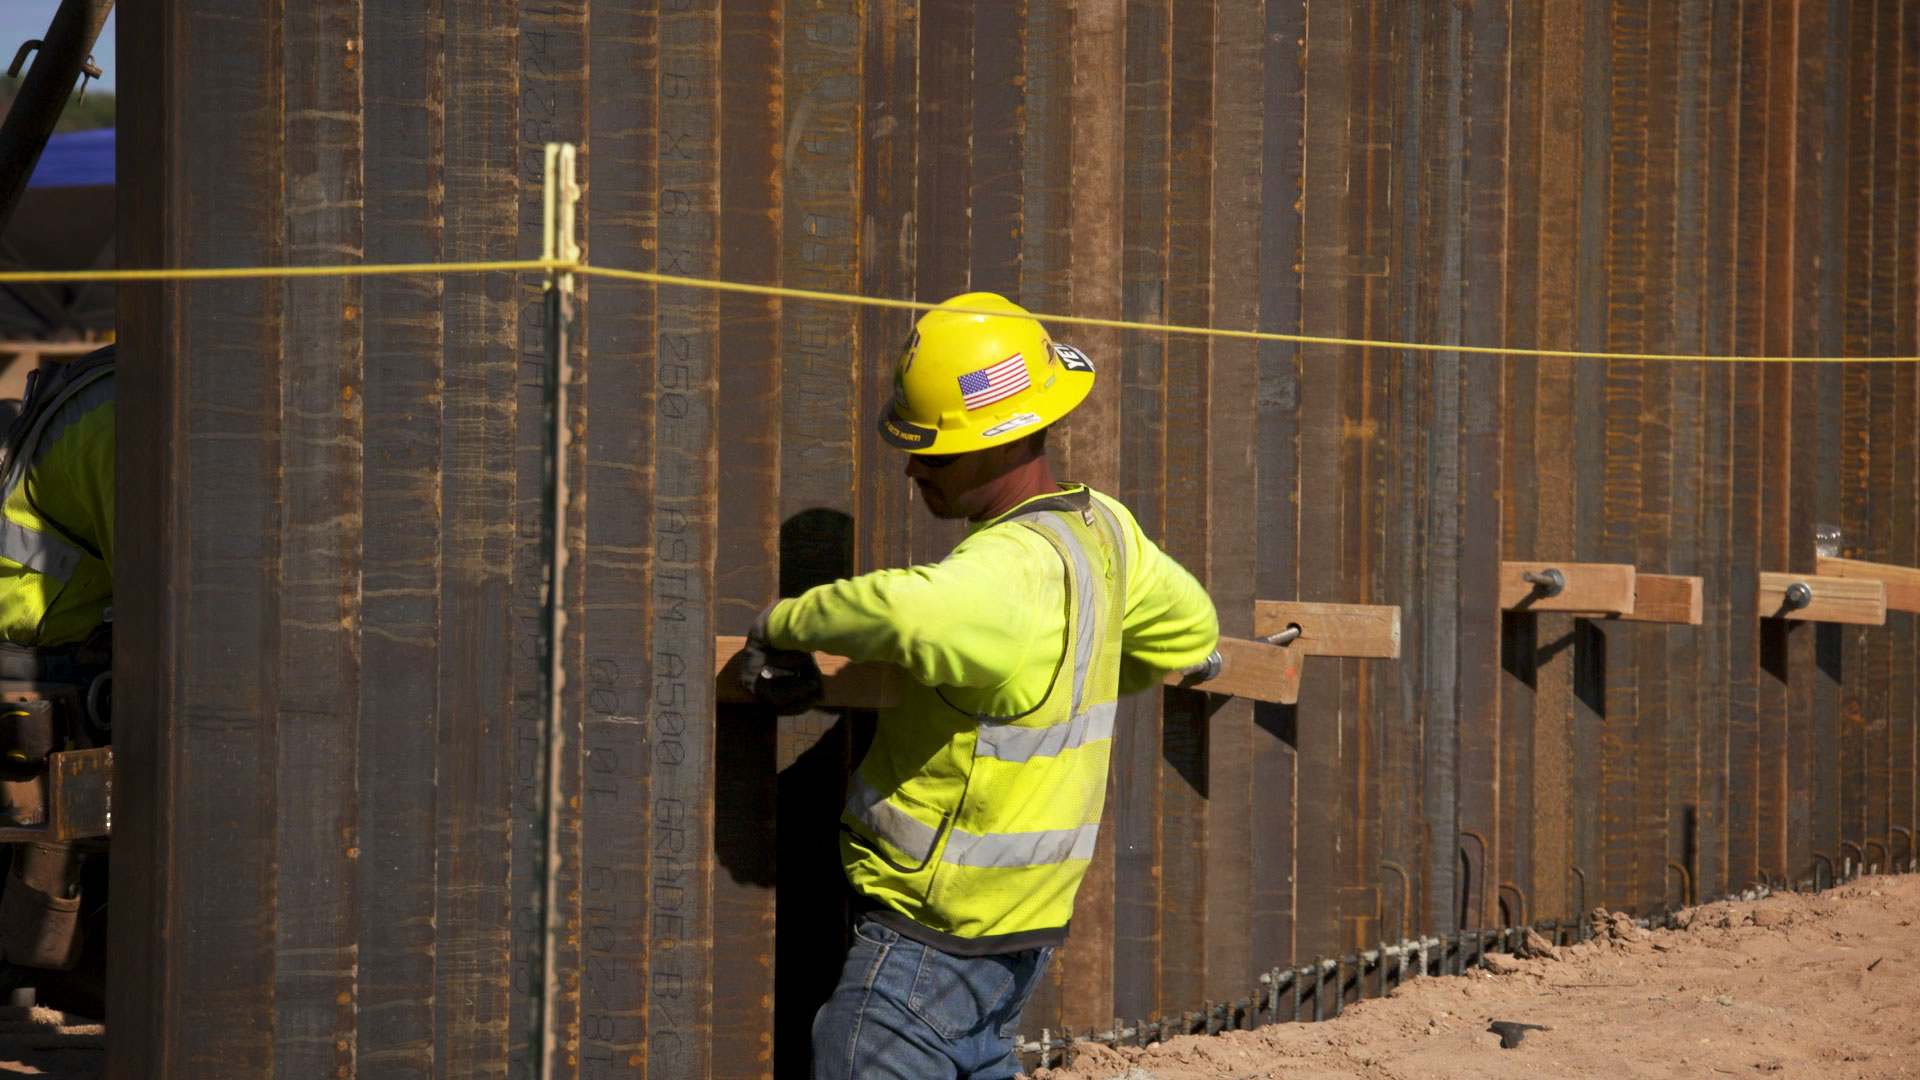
x=76, y=159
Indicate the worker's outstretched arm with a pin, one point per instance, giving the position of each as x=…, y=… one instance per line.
x=1170, y=622
x=968, y=620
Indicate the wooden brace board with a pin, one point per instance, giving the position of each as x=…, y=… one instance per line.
x=1835, y=599
x=1604, y=587
x=1250, y=669
x=1362, y=630
x=1661, y=598
x=1903, y=582
x=1254, y=670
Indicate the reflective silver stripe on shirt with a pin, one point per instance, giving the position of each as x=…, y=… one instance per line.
x=887, y=821
x=43, y=553
x=1005, y=742
x=1119, y=541
x=999, y=850
x=1088, y=616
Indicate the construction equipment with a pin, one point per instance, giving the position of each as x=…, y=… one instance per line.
x=58, y=62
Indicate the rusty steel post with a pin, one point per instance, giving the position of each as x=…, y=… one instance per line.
x=756, y=188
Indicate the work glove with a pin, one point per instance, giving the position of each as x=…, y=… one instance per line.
x=785, y=680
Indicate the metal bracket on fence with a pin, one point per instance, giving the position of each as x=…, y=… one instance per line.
x=1884, y=863
x=1902, y=830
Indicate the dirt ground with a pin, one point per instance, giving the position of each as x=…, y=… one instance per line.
x=42, y=1042
x=1793, y=985
x=1790, y=986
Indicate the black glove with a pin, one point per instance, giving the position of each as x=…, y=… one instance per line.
x=785, y=680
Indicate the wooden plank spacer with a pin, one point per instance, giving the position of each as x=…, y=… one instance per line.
x=1902, y=582
x=1569, y=587
x=1815, y=598
x=1353, y=630
x=1251, y=669
x=1660, y=598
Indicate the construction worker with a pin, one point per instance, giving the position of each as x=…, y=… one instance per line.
x=56, y=542
x=971, y=821
x=56, y=596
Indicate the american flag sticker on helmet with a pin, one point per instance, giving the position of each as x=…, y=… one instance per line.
x=981, y=388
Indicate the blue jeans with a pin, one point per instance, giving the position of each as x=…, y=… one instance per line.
x=906, y=1011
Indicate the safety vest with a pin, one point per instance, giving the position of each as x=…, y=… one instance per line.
x=980, y=827
x=49, y=570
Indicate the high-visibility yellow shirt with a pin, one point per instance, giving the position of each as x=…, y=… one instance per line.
x=990, y=615
x=971, y=821
x=56, y=539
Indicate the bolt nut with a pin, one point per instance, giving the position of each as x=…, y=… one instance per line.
x=1546, y=582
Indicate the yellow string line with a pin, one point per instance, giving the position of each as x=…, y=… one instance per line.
x=826, y=297
x=224, y=273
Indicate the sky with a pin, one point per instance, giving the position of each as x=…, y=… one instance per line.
x=24, y=20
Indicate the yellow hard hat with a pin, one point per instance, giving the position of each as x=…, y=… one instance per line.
x=967, y=380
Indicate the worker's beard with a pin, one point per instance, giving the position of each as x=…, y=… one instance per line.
x=937, y=503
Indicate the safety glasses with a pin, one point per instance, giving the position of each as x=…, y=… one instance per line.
x=937, y=461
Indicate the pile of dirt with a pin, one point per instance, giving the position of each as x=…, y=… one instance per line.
x=1793, y=985
x=37, y=1041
